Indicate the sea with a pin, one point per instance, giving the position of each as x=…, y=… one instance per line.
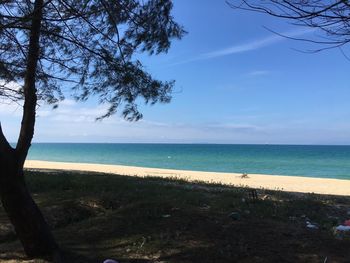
x=294, y=160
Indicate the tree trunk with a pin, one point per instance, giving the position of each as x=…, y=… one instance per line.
x=29, y=223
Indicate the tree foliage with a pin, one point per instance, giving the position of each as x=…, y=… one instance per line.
x=330, y=18
x=89, y=47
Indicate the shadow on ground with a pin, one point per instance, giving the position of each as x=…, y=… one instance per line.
x=97, y=216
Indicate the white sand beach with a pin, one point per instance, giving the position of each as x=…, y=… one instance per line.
x=273, y=182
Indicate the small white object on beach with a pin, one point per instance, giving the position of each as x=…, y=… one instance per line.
x=343, y=228
x=110, y=261
x=311, y=226
x=166, y=216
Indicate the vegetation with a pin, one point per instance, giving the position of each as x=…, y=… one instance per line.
x=130, y=219
x=87, y=48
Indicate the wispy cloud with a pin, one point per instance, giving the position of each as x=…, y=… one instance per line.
x=9, y=108
x=73, y=123
x=252, y=45
x=255, y=73
x=71, y=111
x=255, y=44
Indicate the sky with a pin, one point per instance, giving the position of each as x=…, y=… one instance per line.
x=236, y=82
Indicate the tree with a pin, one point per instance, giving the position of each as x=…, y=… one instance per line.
x=87, y=47
x=331, y=18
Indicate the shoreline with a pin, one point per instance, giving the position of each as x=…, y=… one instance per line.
x=271, y=182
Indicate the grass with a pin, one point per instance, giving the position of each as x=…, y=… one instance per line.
x=130, y=219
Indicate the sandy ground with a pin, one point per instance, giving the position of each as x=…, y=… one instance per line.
x=273, y=182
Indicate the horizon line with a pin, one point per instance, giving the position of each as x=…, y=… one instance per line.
x=193, y=143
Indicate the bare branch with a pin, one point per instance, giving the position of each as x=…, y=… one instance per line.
x=331, y=18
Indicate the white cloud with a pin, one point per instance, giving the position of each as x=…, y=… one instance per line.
x=71, y=111
x=8, y=108
x=255, y=44
x=73, y=123
x=252, y=45
x=255, y=73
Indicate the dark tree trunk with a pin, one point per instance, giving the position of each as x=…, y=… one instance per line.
x=29, y=224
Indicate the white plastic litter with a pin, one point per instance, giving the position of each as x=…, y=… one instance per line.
x=166, y=216
x=311, y=226
x=343, y=228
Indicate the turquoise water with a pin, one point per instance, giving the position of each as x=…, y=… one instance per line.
x=311, y=161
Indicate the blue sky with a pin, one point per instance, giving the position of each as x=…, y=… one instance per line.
x=236, y=82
